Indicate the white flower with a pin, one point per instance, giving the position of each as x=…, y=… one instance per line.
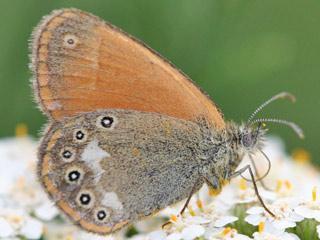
x=32, y=229
x=16, y=157
x=310, y=209
x=182, y=228
x=187, y=233
x=192, y=232
x=215, y=213
x=158, y=235
x=136, y=237
x=5, y=229
x=65, y=231
x=244, y=194
x=225, y=234
x=283, y=210
x=17, y=222
x=270, y=236
x=236, y=192
x=307, y=212
x=268, y=232
x=46, y=211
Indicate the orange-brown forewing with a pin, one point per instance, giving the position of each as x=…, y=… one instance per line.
x=82, y=63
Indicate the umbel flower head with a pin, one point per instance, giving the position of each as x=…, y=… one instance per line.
x=236, y=213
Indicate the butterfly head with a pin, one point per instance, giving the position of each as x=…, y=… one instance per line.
x=251, y=139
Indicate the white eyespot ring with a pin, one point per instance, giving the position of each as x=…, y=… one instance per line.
x=85, y=198
x=68, y=154
x=70, y=41
x=106, y=122
x=101, y=214
x=80, y=135
x=74, y=175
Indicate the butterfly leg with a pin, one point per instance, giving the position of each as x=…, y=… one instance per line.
x=257, y=173
x=239, y=172
x=191, y=194
x=189, y=198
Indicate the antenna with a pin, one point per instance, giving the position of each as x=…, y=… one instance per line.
x=280, y=95
x=294, y=126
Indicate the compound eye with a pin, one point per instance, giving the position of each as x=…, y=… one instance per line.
x=246, y=140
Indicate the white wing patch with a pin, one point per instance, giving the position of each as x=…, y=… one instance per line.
x=92, y=155
x=110, y=199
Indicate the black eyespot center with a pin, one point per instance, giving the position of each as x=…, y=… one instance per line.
x=74, y=175
x=67, y=154
x=80, y=135
x=106, y=122
x=85, y=198
x=70, y=41
x=101, y=215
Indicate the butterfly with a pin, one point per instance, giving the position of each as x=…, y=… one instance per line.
x=128, y=132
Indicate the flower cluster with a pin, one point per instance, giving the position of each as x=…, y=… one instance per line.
x=291, y=194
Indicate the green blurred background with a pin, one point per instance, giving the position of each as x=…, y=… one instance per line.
x=240, y=52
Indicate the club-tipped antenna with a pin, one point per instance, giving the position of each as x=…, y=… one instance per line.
x=294, y=126
x=280, y=95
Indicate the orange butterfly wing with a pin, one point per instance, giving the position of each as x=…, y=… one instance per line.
x=81, y=63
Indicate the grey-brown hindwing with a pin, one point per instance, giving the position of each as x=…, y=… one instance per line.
x=108, y=168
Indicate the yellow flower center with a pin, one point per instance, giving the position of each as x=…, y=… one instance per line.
x=21, y=130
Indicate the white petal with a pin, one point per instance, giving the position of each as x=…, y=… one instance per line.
x=255, y=219
x=46, y=211
x=158, y=235
x=224, y=221
x=137, y=237
x=269, y=228
x=282, y=236
x=288, y=236
x=283, y=224
x=192, y=232
x=291, y=236
x=255, y=210
x=267, y=195
x=316, y=214
x=6, y=184
x=211, y=232
x=5, y=228
x=318, y=230
x=295, y=217
x=32, y=229
x=196, y=220
x=240, y=237
x=174, y=236
x=80, y=235
x=304, y=211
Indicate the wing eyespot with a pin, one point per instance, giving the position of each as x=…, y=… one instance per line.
x=80, y=135
x=74, y=175
x=106, y=122
x=85, y=198
x=70, y=41
x=101, y=214
x=68, y=154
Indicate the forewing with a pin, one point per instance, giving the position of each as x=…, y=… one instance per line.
x=82, y=63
